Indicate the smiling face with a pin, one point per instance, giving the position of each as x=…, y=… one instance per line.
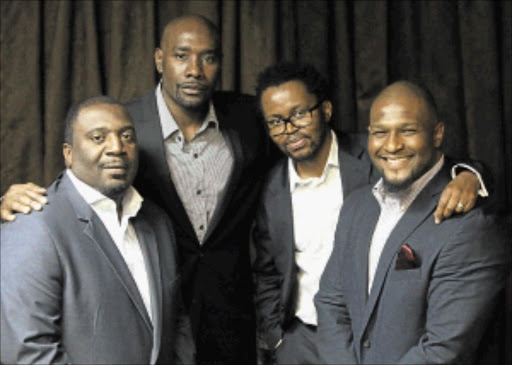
x=300, y=144
x=188, y=60
x=404, y=138
x=103, y=152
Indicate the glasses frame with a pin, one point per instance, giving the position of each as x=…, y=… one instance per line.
x=289, y=120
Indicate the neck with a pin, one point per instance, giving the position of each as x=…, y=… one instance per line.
x=315, y=166
x=188, y=120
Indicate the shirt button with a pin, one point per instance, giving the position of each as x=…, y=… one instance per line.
x=196, y=155
x=366, y=344
x=199, y=192
x=179, y=139
x=201, y=227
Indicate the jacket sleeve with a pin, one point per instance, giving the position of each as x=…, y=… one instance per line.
x=469, y=273
x=31, y=300
x=268, y=282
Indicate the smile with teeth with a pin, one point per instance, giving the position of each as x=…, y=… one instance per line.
x=396, y=160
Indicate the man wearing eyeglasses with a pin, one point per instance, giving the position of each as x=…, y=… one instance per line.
x=302, y=198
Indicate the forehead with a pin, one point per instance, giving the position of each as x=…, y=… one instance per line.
x=399, y=108
x=107, y=116
x=291, y=93
x=189, y=33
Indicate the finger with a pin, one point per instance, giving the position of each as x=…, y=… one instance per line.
x=37, y=198
x=5, y=215
x=451, y=205
x=441, y=205
x=18, y=207
x=36, y=188
x=469, y=205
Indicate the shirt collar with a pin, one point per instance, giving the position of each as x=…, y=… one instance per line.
x=167, y=122
x=332, y=161
x=406, y=197
x=132, y=200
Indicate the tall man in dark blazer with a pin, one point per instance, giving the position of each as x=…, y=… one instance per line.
x=202, y=158
x=301, y=201
x=93, y=277
x=397, y=288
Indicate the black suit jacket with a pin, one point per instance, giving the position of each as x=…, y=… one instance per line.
x=217, y=281
x=275, y=266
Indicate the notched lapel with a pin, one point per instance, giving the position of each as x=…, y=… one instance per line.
x=151, y=254
x=98, y=234
x=234, y=144
x=420, y=210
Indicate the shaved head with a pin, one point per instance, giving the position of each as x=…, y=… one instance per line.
x=184, y=22
x=408, y=93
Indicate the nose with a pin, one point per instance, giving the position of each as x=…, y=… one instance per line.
x=194, y=68
x=114, y=145
x=288, y=123
x=394, y=142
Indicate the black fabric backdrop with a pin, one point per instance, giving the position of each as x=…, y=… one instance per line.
x=54, y=53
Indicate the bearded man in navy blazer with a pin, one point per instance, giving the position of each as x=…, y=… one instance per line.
x=92, y=278
x=302, y=198
x=397, y=288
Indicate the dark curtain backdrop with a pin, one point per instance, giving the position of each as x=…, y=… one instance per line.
x=54, y=53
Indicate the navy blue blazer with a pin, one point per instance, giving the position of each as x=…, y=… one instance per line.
x=433, y=312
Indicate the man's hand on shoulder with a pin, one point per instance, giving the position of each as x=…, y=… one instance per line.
x=459, y=196
x=22, y=198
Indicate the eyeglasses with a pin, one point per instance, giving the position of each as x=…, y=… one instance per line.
x=299, y=119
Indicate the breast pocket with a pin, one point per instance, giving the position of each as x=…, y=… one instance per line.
x=405, y=275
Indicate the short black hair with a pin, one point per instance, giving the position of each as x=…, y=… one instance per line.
x=73, y=112
x=280, y=73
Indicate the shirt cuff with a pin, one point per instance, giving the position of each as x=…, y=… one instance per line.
x=482, y=191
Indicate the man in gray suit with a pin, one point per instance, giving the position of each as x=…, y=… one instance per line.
x=397, y=288
x=301, y=201
x=92, y=278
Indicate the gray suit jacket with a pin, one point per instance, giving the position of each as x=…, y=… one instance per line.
x=67, y=295
x=273, y=237
x=435, y=313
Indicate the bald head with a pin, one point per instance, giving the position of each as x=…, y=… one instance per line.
x=186, y=23
x=410, y=96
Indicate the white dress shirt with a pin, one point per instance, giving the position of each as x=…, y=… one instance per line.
x=199, y=169
x=392, y=208
x=316, y=204
x=122, y=233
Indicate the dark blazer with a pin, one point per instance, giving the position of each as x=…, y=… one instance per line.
x=68, y=296
x=275, y=267
x=434, y=312
x=216, y=275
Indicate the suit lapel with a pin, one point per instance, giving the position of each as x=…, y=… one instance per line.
x=150, y=137
x=233, y=141
x=99, y=236
x=420, y=210
x=280, y=206
x=150, y=253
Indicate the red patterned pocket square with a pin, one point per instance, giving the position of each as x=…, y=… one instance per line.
x=406, y=258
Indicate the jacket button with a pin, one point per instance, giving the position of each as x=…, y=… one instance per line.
x=366, y=344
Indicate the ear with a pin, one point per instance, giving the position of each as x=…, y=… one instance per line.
x=159, y=57
x=67, y=151
x=438, y=134
x=327, y=110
